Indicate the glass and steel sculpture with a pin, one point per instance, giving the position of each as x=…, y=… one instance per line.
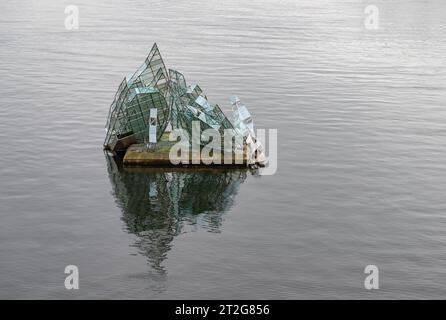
x=152, y=98
x=152, y=88
x=145, y=90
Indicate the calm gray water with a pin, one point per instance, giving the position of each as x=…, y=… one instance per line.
x=362, y=152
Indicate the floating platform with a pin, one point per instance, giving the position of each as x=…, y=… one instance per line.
x=140, y=155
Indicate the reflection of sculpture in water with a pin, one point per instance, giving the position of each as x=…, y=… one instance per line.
x=158, y=204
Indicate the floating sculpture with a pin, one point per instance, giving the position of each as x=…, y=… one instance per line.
x=153, y=98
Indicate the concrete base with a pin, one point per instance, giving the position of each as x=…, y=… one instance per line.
x=140, y=155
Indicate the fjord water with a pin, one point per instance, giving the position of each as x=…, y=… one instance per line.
x=361, y=173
